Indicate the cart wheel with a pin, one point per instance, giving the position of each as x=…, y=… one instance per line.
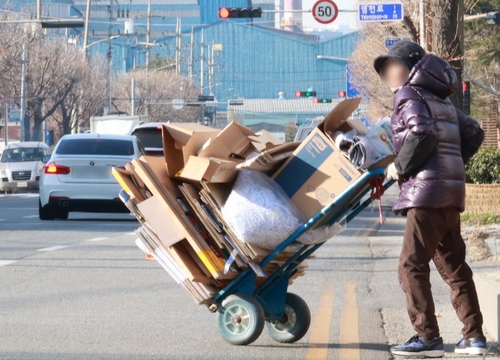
x=241, y=319
x=295, y=322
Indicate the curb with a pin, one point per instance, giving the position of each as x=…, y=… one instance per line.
x=488, y=292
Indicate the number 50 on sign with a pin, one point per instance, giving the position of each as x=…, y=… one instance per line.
x=325, y=11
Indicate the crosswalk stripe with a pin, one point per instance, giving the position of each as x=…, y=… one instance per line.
x=320, y=330
x=349, y=326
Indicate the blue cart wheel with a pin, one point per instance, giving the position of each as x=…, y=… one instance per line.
x=295, y=322
x=241, y=319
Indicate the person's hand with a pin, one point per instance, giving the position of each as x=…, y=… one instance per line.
x=391, y=172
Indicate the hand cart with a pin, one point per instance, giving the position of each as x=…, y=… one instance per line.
x=244, y=310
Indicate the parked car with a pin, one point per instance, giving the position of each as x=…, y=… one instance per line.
x=21, y=165
x=78, y=177
x=149, y=135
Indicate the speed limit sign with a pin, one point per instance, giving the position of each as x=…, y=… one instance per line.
x=325, y=11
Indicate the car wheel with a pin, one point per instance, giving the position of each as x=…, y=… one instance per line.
x=45, y=212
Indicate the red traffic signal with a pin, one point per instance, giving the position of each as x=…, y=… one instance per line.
x=224, y=13
x=342, y=94
x=232, y=13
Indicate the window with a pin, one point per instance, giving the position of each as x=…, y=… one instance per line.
x=22, y=155
x=95, y=147
x=149, y=137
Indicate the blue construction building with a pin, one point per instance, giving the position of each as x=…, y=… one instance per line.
x=230, y=58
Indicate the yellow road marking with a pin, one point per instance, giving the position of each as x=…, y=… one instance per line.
x=320, y=329
x=349, y=326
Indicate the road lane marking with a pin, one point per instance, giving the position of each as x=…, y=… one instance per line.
x=6, y=262
x=3, y=219
x=30, y=216
x=320, y=330
x=97, y=239
x=53, y=248
x=131, y=233
x=349, y=326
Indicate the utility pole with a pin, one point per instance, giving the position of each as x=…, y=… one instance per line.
x=23, y=95
x=178, y=45
x=86, y=30
x=202, y=61
x=148, y=35
x=110, y=48
x=6, y=126
x=132, y=97
x=211, y=69
x=39, y=10
x=191, y=55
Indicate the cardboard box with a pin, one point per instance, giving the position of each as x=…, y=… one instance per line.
x=336, y=120
x=210, y=169
x=238, y=141
x=181, y=140
x=318, y=172
x=270, y=160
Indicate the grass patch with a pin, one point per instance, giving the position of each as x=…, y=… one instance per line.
x=481, y=219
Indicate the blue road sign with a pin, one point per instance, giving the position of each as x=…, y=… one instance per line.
x=389, y=41
x=381, y=12
x=351, y=91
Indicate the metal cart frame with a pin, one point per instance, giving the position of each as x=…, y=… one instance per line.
x=244, y=309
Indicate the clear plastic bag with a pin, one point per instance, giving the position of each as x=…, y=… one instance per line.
x=260, y=213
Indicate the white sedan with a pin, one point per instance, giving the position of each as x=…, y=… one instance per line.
x=78, y=177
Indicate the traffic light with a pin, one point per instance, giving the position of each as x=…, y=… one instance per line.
x=342, y=94
x=493, y=18
x=322, y=101
x=305, y=93
x=203, y=98
x=466, y=92
x=233, y=13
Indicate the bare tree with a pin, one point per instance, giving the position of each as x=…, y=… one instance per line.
x=444, y=37
x=155, y=91
x=86, y=97
x=52, y=74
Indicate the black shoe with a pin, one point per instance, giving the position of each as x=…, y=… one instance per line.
x=420, y=347
x=472, y=346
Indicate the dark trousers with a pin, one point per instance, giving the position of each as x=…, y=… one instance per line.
x=434, y=234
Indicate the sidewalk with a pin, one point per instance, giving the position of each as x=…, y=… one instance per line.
x=386, y=246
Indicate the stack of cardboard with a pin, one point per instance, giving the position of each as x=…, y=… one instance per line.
x=178, y=202
x=178, y=199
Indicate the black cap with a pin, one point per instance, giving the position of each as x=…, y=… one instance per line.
x=406, y=51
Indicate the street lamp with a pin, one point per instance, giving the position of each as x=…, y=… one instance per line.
x=85, y=47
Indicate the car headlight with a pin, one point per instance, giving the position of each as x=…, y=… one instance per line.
x=40, y=169
x=2, y=170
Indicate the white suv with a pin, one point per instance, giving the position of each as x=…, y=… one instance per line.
x=21, y=165
x=78, y=177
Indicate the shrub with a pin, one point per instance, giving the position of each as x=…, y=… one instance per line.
x=484, y=167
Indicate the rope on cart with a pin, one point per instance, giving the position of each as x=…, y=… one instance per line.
x=377, y=185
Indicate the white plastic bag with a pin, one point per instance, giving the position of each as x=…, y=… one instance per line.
x=374, y=146
x=260, y=213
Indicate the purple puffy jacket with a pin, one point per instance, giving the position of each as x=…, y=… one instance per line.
x=422, y=107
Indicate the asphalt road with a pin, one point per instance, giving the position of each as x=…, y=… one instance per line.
x=80, y=289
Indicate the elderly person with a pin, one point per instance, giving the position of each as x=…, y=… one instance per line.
x=433, y=141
